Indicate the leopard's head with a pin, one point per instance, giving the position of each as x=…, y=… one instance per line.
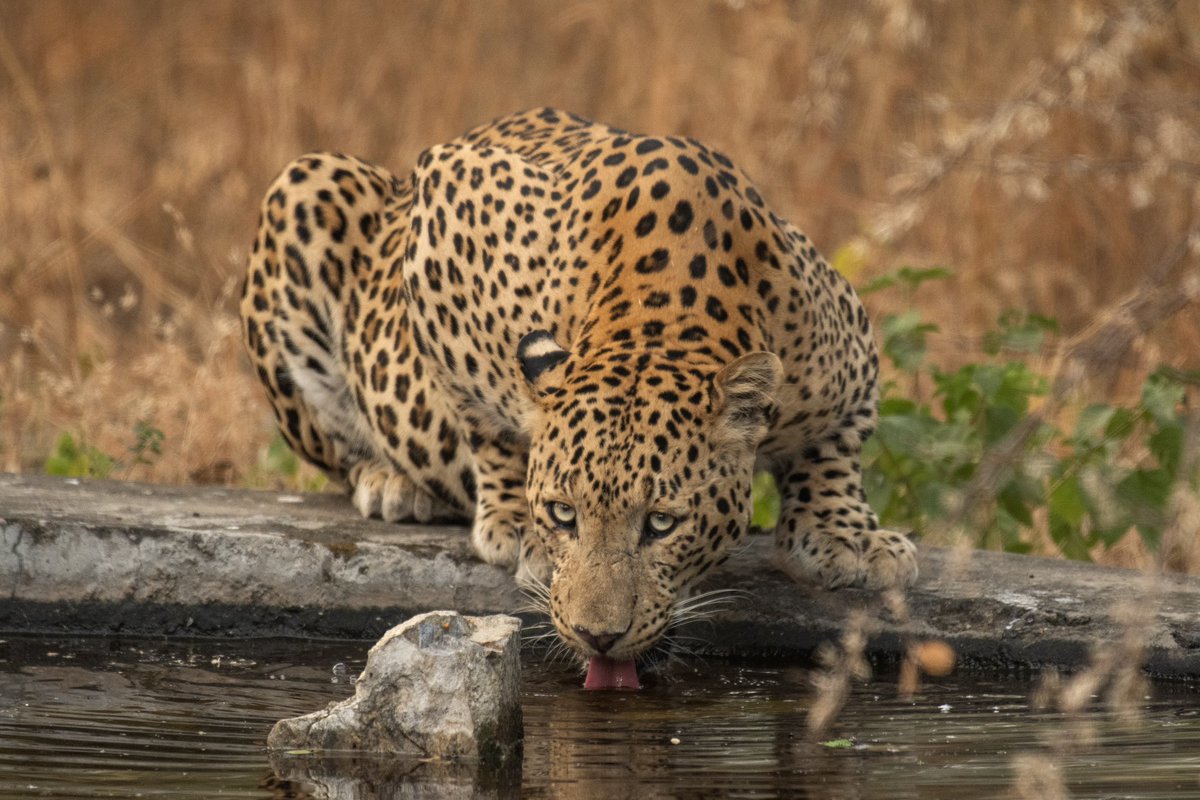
x=639, y=478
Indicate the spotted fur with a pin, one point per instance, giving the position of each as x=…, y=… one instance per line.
x=548, y=315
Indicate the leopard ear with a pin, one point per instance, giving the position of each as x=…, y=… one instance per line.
x=539, y=354
x=744, y=393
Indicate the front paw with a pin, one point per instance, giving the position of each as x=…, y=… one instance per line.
x=878, y=559
x=384, y=493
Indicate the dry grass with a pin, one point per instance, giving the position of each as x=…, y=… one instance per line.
x=1046, y=151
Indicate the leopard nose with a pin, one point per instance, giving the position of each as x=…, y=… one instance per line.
x=601, y=642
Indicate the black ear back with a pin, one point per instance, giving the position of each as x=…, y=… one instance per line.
x=539, y=353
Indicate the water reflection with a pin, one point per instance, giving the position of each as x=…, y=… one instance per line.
x=103, y=719
x=383, y=778
x=731, y=731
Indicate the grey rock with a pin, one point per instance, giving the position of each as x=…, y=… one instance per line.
x=102, y=557
x=441, y=685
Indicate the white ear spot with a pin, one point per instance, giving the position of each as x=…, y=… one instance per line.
x=539, y=353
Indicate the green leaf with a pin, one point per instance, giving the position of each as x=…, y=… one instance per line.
x=881, y=493
x=1167, y=446
x=1067, y=501
x=876, y=284
x=765, y=501
x=1007, y=534
x=1028, y=488
x=950, y=444
x=1020, y=332
x=1092, y=423
x=899, y=432
x=838, y=744
x=1067, y=507
x=1069, y=540
x=1013, y=504
x=915, y=276
x=911, y=277
x=998, y=421
x=959, y=393
x=1121, y=425
x=897, y=406
x=931, y=496
x=1146, y=491
x=1110, y=535
x=904, y=339
x=1161, y=398
x=1165, y=372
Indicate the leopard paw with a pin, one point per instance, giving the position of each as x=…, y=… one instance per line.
x=384, y=493
x=878, y=559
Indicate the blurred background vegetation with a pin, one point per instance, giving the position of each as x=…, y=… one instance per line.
x=1035, y=165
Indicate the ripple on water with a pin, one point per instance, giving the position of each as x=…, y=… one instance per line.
x=96, y=718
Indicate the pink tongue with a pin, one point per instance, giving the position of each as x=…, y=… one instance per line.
x=605, y=673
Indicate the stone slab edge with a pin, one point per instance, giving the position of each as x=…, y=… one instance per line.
x=103, y=557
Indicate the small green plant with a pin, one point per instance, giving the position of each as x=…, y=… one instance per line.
x=279, y=467
x=280, y=459
x=77, y=459
x=147, y=443
x=74, y=457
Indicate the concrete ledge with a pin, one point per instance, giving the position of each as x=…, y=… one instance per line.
x=80, y=556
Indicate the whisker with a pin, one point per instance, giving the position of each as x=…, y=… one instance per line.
x=675, y=652
x=537, y=625
x=676, y=637
x=557, y=653
x=727, y=595
x=534, y=589
x=537, y=601
x=541, y=637
x=701, y=609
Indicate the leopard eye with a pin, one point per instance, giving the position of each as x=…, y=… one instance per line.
x=659, y=525
x=562, y=514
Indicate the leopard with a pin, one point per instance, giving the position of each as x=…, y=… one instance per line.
x=585, y=342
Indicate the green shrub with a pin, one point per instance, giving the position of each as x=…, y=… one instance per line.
x=1114, y=472
x=147, y=443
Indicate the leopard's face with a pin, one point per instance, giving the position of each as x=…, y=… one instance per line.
x=639, y=482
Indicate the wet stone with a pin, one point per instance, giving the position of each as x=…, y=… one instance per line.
x=439, y=686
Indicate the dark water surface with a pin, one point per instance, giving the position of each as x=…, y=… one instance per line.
x=92, y=718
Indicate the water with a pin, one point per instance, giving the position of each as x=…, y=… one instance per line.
x=99, y=718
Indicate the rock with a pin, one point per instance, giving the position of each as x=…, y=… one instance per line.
x=441, y=685
x=113, y=557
